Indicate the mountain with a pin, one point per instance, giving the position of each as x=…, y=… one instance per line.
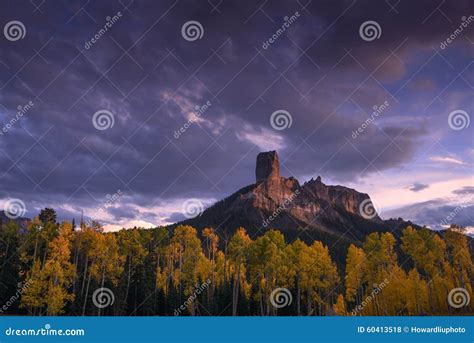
x=22, y=222
x=312, y=211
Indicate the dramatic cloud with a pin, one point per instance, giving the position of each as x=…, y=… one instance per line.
x=446, y=160
x=465, y=190
x=186, y=119
x=418, y=187
x=435, y=214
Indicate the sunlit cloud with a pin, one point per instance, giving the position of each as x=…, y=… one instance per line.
x=264, y=139
x=446, y=159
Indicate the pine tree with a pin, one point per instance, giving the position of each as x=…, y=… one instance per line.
x=9, y=262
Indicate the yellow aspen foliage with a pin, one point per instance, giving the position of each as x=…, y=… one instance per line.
x=355, y=270
x=416, y=294
x=237, y=251
x=32, y=297
x=426, y=249
x=149, y=268
x=49, y=285
x=340, y=306
x=460, y=258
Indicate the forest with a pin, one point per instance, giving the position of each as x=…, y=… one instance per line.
x=49, y=268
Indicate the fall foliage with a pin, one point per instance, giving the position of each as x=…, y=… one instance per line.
x=156, y=271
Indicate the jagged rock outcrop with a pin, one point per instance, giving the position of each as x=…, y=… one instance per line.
x=22, y=222
x=268, y=166
x=309, y=211
x=303, y=202
x=339, y=196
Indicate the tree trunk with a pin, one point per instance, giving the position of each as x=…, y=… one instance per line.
x=87, y=293
x=308, y=308
x=85, y=274
x=235, y=291
x=128, y=282
x=34, y=251
x=5, y=259
x=298, y=296
x=101, y=285
x=45, y=251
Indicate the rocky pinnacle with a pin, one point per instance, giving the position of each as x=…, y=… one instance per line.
x=268, y=166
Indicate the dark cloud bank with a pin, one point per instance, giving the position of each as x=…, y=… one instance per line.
x=151, y=79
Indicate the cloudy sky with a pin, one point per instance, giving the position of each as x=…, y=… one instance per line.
x=130, y=108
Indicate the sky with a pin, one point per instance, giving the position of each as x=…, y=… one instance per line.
x=128, y=111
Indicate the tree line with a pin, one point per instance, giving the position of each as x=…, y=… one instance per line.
x=58, y=271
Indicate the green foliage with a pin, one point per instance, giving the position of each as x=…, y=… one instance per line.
x=48, y=215
x=157, y=272
x=9, y=262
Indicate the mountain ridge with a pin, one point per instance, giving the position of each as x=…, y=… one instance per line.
x=310, y=211
x=21, y=221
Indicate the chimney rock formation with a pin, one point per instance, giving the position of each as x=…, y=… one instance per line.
x=311, y=211
x=268, y=166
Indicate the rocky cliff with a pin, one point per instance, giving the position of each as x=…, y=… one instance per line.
x=309, y=211
x=22, y=222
